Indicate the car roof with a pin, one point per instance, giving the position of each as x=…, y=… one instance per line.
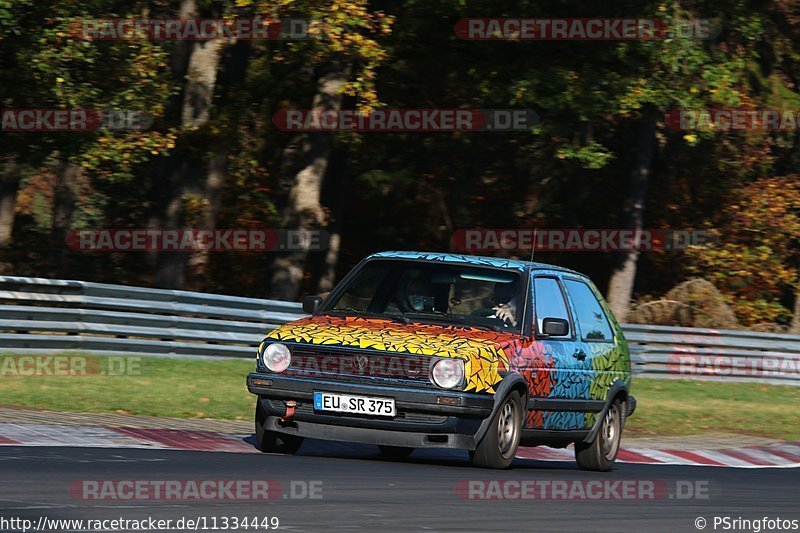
x=477, y=260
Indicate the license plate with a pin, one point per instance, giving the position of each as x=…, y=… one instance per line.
x=361, y=405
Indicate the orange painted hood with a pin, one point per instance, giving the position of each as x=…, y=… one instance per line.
x=483, y=351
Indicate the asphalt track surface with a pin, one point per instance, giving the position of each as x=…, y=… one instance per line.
x=363, y=492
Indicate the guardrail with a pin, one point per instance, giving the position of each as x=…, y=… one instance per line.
x=676, y=352
x=43, y=315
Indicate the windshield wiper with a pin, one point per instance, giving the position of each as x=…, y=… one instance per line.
x=475, y=323
x=441, y=316
x=406, y=318
x=346, y=310
x=365, y=314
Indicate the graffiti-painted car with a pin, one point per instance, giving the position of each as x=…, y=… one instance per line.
x=427, y=350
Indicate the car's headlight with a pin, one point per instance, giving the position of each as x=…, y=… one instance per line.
x=277, y=357
x=448, y=373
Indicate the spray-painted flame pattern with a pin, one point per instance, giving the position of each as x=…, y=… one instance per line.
x=487, y=355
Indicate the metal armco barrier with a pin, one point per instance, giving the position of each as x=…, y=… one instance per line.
x=43, y=315
x=53, y=315
x=678, y=352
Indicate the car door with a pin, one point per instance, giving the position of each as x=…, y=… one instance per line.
x=597, y=340
x=569, y=385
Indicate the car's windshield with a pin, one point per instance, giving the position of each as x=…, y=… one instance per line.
x=436, y=293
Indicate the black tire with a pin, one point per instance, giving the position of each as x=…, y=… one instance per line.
x=395, y=452
x=271, y=441
x=499, y=446
x=600, y=454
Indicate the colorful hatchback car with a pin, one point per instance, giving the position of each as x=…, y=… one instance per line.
x=428, y=350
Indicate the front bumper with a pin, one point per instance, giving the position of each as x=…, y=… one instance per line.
x=421, y=421
x=631, y=406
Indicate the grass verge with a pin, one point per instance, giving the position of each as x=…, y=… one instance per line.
x=216, y=389
x=688, y=407
x=148, y=386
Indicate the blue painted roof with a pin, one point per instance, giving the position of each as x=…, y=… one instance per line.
x=476, y=260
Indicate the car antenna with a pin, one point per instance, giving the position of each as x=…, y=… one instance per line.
x=528, y=283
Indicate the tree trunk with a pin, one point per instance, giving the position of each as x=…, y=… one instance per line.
x=232, y=76
x=63, y=207
x=187, y=178
x=795, y=327
x=200, y=82
x=9, y=186
x=327, y=280
x=212, y=192
x=304, y=211
x=623, y=277
x=171, y=270
x=333, y=190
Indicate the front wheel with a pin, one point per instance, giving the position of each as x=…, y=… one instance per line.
x=600, y=454
x=272, y=441
x=499, y=446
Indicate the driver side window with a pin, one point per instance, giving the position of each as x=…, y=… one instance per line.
x=549, y=302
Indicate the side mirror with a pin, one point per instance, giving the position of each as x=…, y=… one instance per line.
x=555, y=327
x=311, y=304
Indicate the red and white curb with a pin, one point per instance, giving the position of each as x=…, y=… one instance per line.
x=778, y=455
x=103, y=437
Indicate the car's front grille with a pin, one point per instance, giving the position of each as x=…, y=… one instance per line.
x=358, y=366
x=402, y=416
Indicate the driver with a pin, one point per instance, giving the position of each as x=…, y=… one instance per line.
x=505, y=303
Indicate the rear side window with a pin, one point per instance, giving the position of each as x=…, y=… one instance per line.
x=591, y=317
x=549, y=300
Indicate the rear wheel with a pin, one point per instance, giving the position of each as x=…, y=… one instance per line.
x=499, y=445
x=271, y=441
x=395, y=452
x=600, y=454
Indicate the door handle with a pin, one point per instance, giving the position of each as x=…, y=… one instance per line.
x=579, y=354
